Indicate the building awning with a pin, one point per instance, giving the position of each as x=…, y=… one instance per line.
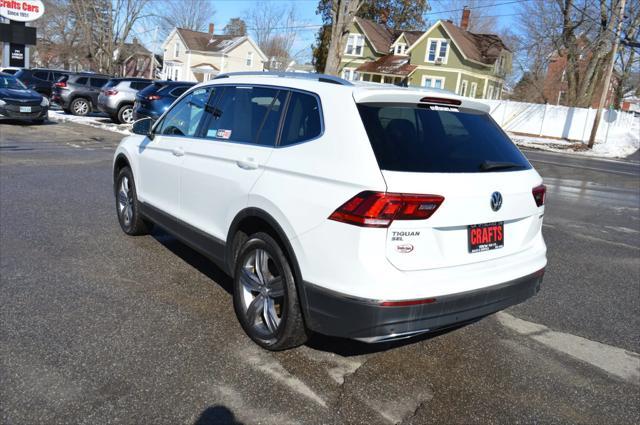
x=394, y=65
x=205, y=68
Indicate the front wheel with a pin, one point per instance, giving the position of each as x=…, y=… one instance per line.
x=127, y=205
x=264, y=295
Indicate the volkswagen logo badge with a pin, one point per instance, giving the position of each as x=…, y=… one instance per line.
x=496, y=201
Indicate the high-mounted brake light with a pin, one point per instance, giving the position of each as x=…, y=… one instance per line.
x=440, y=100
x=60, y=84
x=153, y=97
x=379, y=209
x=539, y=193
x=110, y=92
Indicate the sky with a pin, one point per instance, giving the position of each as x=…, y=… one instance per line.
x=504, y=10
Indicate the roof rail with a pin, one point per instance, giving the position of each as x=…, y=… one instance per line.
x=323, y=78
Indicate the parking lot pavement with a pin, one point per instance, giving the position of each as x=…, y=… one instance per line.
x=98, y=327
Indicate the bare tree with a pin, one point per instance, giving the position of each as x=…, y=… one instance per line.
x=342, y=14
x=105, y=25
x=193, y=15
x=58, y=36
x=275, y=28
x=580, y=30
x=236, y=27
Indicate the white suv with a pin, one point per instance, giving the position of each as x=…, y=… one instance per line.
x=370, y=212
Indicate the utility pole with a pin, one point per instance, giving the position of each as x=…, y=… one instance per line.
x=607, y=78
x=153, y=53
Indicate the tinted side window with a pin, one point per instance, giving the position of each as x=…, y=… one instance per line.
x=184, y=117
x=97, y=82
x=139, y=85
x=303, y=120
x=42, y=75
x=82, y=81
x=247, y=115
x=177, y=92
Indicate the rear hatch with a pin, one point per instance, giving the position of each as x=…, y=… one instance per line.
x=142, y=97
x=451, y=149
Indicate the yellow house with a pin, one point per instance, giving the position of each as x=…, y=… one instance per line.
x=200, y=56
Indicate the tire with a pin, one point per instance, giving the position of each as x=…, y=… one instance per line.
x=66, y=110
x=39, y=121
x=80, y=106
x=125, y=114
x=127, y=205
x=279, y=325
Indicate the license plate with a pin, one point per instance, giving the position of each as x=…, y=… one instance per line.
x=484, y=237
x=26, y=109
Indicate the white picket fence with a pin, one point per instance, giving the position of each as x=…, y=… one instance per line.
x=556, y=121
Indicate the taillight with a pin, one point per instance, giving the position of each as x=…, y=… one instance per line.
x=60, y=84
x=110, y=92
x=153, y=97
x=379, y=209
x=539, y=193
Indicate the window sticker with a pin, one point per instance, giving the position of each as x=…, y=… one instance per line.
x=223, y=134
x=443, y=108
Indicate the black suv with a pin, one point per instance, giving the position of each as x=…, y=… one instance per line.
x=78, y=93
x=40, y=80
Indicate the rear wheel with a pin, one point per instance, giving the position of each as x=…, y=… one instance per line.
x=125, y=114
x=80, y=106
x=265, y=297
x=127, y=205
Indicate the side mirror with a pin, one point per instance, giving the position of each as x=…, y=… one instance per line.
x=143, y=127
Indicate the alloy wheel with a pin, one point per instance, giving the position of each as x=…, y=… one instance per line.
x=262, y=286
x=127, y=116
x=125, y=201
x=81, y=107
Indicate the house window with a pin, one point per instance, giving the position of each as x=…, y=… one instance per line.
x=176, y=51
x=433, y=82
x=400, y=49
x=474, y=89
x=355, y=45
x=490, y=92
x=437, y=50
x=350, y=74
x=463, y=88
x=249, y=61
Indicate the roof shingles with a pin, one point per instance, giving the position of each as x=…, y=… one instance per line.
x=206, y=42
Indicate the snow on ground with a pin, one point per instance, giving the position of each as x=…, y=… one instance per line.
x=620, y=143
x=94, y=119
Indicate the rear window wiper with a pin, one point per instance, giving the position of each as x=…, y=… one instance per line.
x=496, y=165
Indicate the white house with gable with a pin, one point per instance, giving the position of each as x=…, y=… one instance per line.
x=200, y=56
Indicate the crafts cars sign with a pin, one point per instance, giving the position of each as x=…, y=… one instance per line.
x=21, y=10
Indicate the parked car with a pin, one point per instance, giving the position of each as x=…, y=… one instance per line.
x=156, y=98
x=10, y=71
x=78, y=93
x=39, y=79
x=117, y=97
x=359, y=211
x=17, y=102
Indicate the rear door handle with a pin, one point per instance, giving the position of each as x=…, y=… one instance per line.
x=247, y=164
x=177, y=152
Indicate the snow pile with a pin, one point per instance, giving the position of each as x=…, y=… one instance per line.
x=621, y=142
x=94, y=119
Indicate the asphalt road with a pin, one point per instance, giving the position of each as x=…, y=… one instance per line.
x=97, y=327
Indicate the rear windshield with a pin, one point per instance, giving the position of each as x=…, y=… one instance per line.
x=437, y=139
x=111, y=83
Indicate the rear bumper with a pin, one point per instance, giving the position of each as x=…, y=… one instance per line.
x=341, y=315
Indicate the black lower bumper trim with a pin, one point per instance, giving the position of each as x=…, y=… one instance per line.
x=335, y=314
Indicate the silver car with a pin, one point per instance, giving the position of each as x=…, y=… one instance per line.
x=117, y=97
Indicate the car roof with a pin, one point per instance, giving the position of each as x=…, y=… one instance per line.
x=361, y=91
